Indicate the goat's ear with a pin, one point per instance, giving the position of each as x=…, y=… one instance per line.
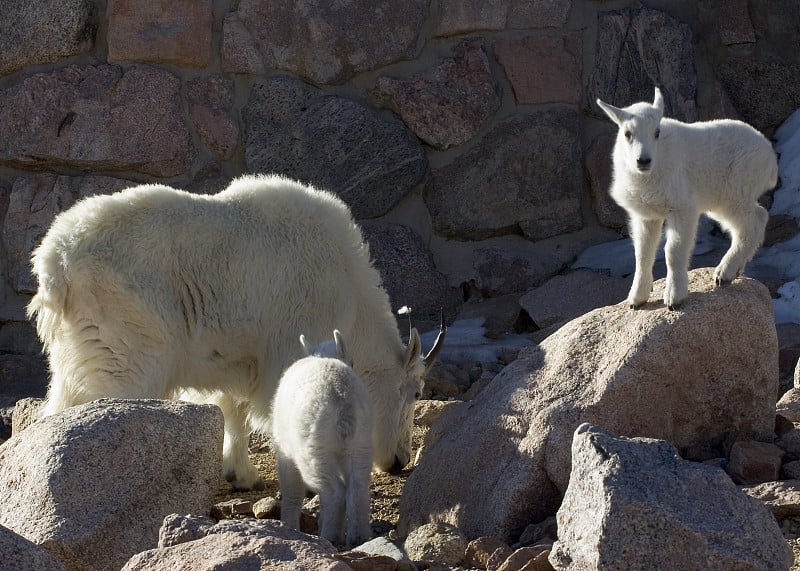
x=413, y=351
x=341, y=348
x=307, y=348
x=614, y=113
x=658, y=101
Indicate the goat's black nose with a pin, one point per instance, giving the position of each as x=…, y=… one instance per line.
x=643, y=162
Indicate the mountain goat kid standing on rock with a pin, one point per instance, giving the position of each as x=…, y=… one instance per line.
x=666, y=173
x=154, y=292
x=322, y=434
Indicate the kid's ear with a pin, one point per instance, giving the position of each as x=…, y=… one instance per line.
x=614, y=113
x=658, y=101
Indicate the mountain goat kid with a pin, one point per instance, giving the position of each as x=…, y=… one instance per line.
x=322, y=434
x=154, y=292
x=666, y=173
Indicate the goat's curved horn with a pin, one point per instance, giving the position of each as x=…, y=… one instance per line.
x=429, y=359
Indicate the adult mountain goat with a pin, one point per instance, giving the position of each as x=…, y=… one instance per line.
x=322, y=435
x=153, y=291
x=667, y=173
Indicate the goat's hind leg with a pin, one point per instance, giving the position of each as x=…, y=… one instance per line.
x=746, y=228
x=357, y=500
x=293, y=490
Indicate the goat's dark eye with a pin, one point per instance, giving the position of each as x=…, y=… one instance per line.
x=628, y=135
x=658, y=133
x=417, y=395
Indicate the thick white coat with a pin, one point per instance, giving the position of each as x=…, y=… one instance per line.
x=322, y=435
x=666, y=173
x=153, y=292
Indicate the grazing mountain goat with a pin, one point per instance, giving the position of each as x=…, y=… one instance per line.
x=153, y=292
x=670, y=172
x=322, y=434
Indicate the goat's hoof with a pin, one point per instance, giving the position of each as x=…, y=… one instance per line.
x=673, y=306
x=722, y=282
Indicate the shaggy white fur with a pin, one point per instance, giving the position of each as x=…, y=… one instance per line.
x=666, y=173
x=153, y=292
x=321, y=431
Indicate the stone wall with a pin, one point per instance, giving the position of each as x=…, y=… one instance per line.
x=463, y=133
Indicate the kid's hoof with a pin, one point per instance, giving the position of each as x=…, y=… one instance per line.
x=673, y=307
x=722, y=282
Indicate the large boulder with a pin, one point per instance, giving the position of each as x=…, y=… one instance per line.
x=195, y=543
x=635, y=500
x=93, y=483
x=368, y=160
x=693, y=377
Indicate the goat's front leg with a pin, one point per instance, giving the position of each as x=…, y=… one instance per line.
x=681, y=236
x=646, y=234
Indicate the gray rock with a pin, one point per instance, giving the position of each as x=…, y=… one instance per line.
x=789, y=404
x=19, y=554
x=382, y=546
x=542, y=69
x=764, y=93
x=484, y=549
x=368, y=160
x=606, y=367
x=97, y=117
x=635, y=500
x=183, y=34
x=782, y=498
x=210, y=109
x=177, y=529
x=439, y=542
x=519, y=178
x=571, y=295
x=236, y=544
x=134, y=461
x=638, y=49
x=754, y=462
x=34, y=33
x=408, y=271
x=460, y=16
x=323, y=42
x=447, y=105
x=598, y=167
x=34, y=203
x=734, y=23
x=26, y=412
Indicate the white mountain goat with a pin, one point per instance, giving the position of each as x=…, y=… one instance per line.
x=322, y=433
x=666, y=173
x=153, y=290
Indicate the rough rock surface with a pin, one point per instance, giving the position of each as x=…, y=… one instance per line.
x=19, y=554
x=635, y=500
x=637, y=49
x=542, y=69
x=41, y=32
x=322, y=42
x=201, y=544
x=607, y=367
x=183, y=34
x=569, y=296
x=136, y=460
x=210, y=108
x=519, y=178
x=447, y=105
x=408, y=271
x=73, y=118
x=598, y=169
x=438, y=542
x=460, y=16
x=782, y=497
x=332, y=142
